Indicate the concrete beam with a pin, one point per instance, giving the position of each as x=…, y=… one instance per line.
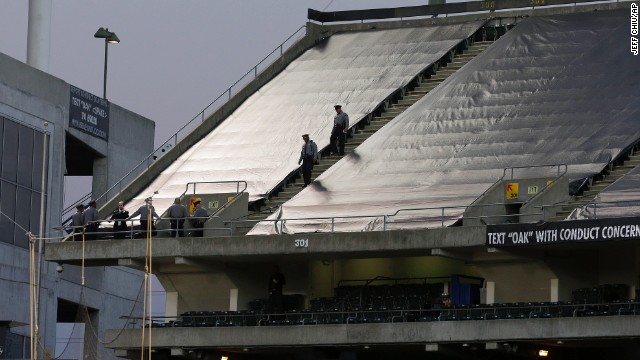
x=178, y=352
x=450, y=254
x=431, y=347
x=486, y=331
x=262, y=248
x=132, y=263
x=197, y=263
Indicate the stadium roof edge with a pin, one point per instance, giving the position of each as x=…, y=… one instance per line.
x=328, y=29
x=486, y=7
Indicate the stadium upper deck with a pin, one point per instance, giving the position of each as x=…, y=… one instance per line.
x=260, y=141
x=554, y=90
x=536, y=97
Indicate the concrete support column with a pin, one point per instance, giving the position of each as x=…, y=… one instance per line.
x=554, y=287
x=491, y=292
x=171, y=304
x=233, y=299
x=100, y=179
x=39, y=34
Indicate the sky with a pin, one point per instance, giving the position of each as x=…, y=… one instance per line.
x=174, y=57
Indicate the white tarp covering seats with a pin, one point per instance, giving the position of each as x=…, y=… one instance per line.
x=562, y=89
x=620, y=199
x=260, y=142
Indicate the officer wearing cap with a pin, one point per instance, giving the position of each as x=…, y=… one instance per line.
x=198, y=219
x=76, y=222
x=308, y=157
x=177, y=213
x=339, y=132
x=144, y=212
x=90, y=221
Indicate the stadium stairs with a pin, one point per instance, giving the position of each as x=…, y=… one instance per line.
x=600, y=182
x=364, y=130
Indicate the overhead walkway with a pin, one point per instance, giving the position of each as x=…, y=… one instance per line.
x=548, y=98
x=260, y=141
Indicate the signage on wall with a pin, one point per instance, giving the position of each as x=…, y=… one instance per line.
x=192, y=204
x=612, y=229
x=89, y=113
x=511, y=191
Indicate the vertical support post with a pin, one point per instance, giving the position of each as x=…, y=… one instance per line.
x=555, y=290
x=106, y=56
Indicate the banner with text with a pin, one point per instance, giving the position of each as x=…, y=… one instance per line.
x=89, y=113
x=612, y=229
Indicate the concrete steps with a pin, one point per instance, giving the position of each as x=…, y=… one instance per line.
x=360, y=135
x=596, y=187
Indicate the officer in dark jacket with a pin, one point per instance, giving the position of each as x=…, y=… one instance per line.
x=308, y=157
x=339, y=132
x=76, y=222
x=120, y=225
x=90, y=221
x=276, y=282
x=198, y=219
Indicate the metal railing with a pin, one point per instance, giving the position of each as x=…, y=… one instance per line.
x=427, y=312
x=594, y=204
x=239, y=193
x=224, y=97
x=82, y=201
x=514, y=168
x=133, y=230
x=385, y=220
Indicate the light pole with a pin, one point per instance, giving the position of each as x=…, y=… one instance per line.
x=109, y=38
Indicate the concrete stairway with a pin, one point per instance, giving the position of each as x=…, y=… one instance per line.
x=364, y=131
x=615, y=173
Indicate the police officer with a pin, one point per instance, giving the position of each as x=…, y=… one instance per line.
x=146, y=212
x=198, y=219
x=339, y=132
x=177, y=213
x=90, y=221
x=308, y=157
x=77, y=222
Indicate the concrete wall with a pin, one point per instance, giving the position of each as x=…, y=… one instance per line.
x=39, y=100
x=326, y=275
x=130, y=141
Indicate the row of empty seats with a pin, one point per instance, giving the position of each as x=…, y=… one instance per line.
x=601, y=293
x=432, y=290
x=503, y=311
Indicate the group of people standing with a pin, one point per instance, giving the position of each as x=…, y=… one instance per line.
x=309, y=154
x=86, y=220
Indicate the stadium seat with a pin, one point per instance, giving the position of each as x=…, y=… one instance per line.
x=501, y=30
x=491, y=33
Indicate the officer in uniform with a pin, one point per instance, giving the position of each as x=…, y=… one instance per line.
x=198, y=219
x=90, y=221
x=147, y=212
x=77, y=222
x=308, y=157
x=339, y=132
x=177, y=213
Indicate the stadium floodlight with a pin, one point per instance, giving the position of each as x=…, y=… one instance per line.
x=109, y=38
